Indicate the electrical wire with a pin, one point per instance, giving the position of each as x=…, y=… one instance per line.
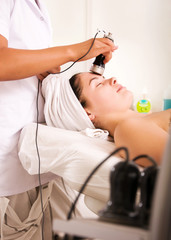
x=37, y=127
x=66, y=236
x=38, y=155
x=145, y=156
x=91, y=174
x=80, y=57
x=72, y=209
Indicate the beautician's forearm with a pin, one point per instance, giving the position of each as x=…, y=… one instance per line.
x=18, y=64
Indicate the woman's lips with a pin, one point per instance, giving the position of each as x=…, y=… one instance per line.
x=120, y=87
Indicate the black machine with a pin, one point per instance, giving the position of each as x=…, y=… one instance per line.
x=131, y=194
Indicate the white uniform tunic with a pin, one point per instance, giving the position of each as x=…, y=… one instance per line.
x=25, y=25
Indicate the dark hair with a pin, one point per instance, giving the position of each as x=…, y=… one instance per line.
x=77, y=89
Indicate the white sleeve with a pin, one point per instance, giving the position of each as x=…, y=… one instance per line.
x=6, y=7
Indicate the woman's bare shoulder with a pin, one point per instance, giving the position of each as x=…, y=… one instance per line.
x=137, y=125
x=141, y=136
x=131, y=129
x=132, y=123
x=162, y=119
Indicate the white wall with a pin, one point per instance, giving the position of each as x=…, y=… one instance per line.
x=69, y=22
x=141, y=29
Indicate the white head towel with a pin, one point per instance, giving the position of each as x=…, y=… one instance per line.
x=62, y=108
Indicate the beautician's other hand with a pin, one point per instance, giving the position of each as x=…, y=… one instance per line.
x=41, y=76
x=101, y=46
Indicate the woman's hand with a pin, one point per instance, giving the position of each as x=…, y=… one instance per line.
x=101, y=46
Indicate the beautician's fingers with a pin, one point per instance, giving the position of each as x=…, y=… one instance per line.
x=42, y=76
x=55, y=70
x=100, y=45
x=45, y=74
x=108, y=56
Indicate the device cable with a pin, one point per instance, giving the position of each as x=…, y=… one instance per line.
x=91, y=174
x=81, y=56
x=72, y=209
x=37, y=126
x=38, y=155
x=145, y=156
x=66, y=236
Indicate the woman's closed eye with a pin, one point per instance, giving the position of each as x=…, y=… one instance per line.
x=99, y=84
x=96, y=81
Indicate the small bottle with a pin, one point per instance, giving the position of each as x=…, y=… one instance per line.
x=144, y=104
x=167, y=98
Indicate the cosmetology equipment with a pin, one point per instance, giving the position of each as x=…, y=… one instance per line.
x=146, y=218
x=159, y=220
x=127, y=184
x=98, y=66
x=36, y=141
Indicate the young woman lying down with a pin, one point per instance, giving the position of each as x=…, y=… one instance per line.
x=89, y=100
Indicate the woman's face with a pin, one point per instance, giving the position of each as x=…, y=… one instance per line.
x=104, y=96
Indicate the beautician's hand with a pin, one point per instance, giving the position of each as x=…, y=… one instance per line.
x=45, y=74
x=101, y=45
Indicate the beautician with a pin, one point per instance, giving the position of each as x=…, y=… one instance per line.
x=26, y=55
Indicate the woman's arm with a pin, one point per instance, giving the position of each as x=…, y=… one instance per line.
x=18, y=64
x=141, y=136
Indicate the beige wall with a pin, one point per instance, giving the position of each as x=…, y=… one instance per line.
x=141, y=29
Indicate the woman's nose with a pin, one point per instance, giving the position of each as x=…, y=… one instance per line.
x=112, y=81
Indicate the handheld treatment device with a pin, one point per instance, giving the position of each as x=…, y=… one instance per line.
x=98, y=66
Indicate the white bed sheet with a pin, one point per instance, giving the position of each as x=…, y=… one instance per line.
x=70, y=155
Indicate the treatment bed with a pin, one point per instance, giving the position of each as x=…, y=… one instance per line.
x=71, y=155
